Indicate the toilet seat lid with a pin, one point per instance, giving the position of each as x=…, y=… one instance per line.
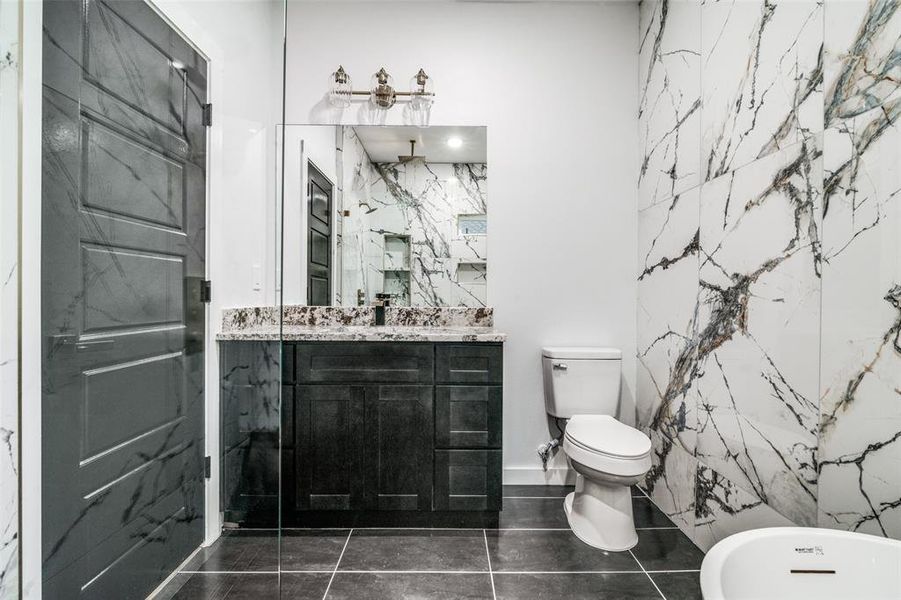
x=605, y=435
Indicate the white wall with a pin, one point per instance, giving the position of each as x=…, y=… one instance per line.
x=302, y=144
x=241, y=39
x=556, y=85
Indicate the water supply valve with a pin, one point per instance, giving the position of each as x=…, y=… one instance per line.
x=545, y=450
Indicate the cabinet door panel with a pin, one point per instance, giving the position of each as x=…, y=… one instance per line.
x=469, y=363
x=468, y=479
x=399, y=442
x=328, y=466
x=468, y=416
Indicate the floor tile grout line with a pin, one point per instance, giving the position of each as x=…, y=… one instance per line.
x=673, y=571
x=634, y=496
x=384, y=528
x=648, y=575
x=337, y=564
x=449, y=572
x=395, y=572
x=238, y=572
x=490, y=570
x=463, y=528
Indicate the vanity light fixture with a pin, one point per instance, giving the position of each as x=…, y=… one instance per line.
x=383, y=95
x=340, y=88
x=454, y=142
x=381, y=90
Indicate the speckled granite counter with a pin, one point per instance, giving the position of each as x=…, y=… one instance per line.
x=340, y=324
x=387, y=333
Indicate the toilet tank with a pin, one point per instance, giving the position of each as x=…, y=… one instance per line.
x=581, y=381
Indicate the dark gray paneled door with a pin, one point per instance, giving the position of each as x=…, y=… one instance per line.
x=319, y=282
x=124, y=154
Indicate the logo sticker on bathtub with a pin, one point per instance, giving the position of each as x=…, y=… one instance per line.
x=810, y=550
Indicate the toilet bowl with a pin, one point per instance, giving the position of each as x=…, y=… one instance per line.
x=608, y=458
x=582, y=385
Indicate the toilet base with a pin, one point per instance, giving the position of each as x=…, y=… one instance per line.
x=601, y=515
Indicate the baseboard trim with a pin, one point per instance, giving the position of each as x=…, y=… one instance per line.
x=535, y=476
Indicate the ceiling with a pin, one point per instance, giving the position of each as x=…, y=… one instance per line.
x=386, y=143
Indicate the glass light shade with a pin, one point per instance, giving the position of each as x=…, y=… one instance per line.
x=422, y=96
x=340, y=88
x=422, y=90
x=381, y=90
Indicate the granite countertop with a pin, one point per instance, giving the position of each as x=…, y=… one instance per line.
x=354, y=324
x=363, y=333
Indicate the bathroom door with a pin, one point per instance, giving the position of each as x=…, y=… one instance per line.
x=123, y=258
x=319, y=277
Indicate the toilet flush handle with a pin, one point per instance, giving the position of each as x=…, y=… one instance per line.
x=560, y=366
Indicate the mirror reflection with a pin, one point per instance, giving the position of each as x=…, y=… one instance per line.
x=394, y=215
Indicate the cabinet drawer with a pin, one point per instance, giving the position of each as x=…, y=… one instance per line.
x=468, y=416
x=467, y=480
x=360, y=362
x=469, y=363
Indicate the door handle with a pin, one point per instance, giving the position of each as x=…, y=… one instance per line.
x=560, y=366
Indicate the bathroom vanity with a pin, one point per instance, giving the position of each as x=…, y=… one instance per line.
x=379, y=425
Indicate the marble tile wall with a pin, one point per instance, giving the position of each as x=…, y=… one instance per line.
x=860, y=394
x=416, y=203
x=9, y=377
x=357, y=175
x=769, y=263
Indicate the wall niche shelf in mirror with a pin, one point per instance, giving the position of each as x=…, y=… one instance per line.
x=409, y=224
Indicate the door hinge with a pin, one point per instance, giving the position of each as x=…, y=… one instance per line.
x=207, y=115
x=206, y=291
x=207, y=467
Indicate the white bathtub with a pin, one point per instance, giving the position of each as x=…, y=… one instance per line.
x=800, y=563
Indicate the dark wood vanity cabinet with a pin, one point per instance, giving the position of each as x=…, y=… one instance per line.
x=373, y=428
x=397, y=426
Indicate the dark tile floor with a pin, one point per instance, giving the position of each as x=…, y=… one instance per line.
x=532, y=555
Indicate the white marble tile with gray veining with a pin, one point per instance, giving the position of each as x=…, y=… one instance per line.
x=762, y=78
x=758, y=356
x=860, y=412
x=667, y=317
x=403, y=234
x=670, y=483
x=670, y=98
x=862, y=57
x=722, y=508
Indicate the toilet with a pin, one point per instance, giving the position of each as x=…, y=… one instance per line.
x=583, y=385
